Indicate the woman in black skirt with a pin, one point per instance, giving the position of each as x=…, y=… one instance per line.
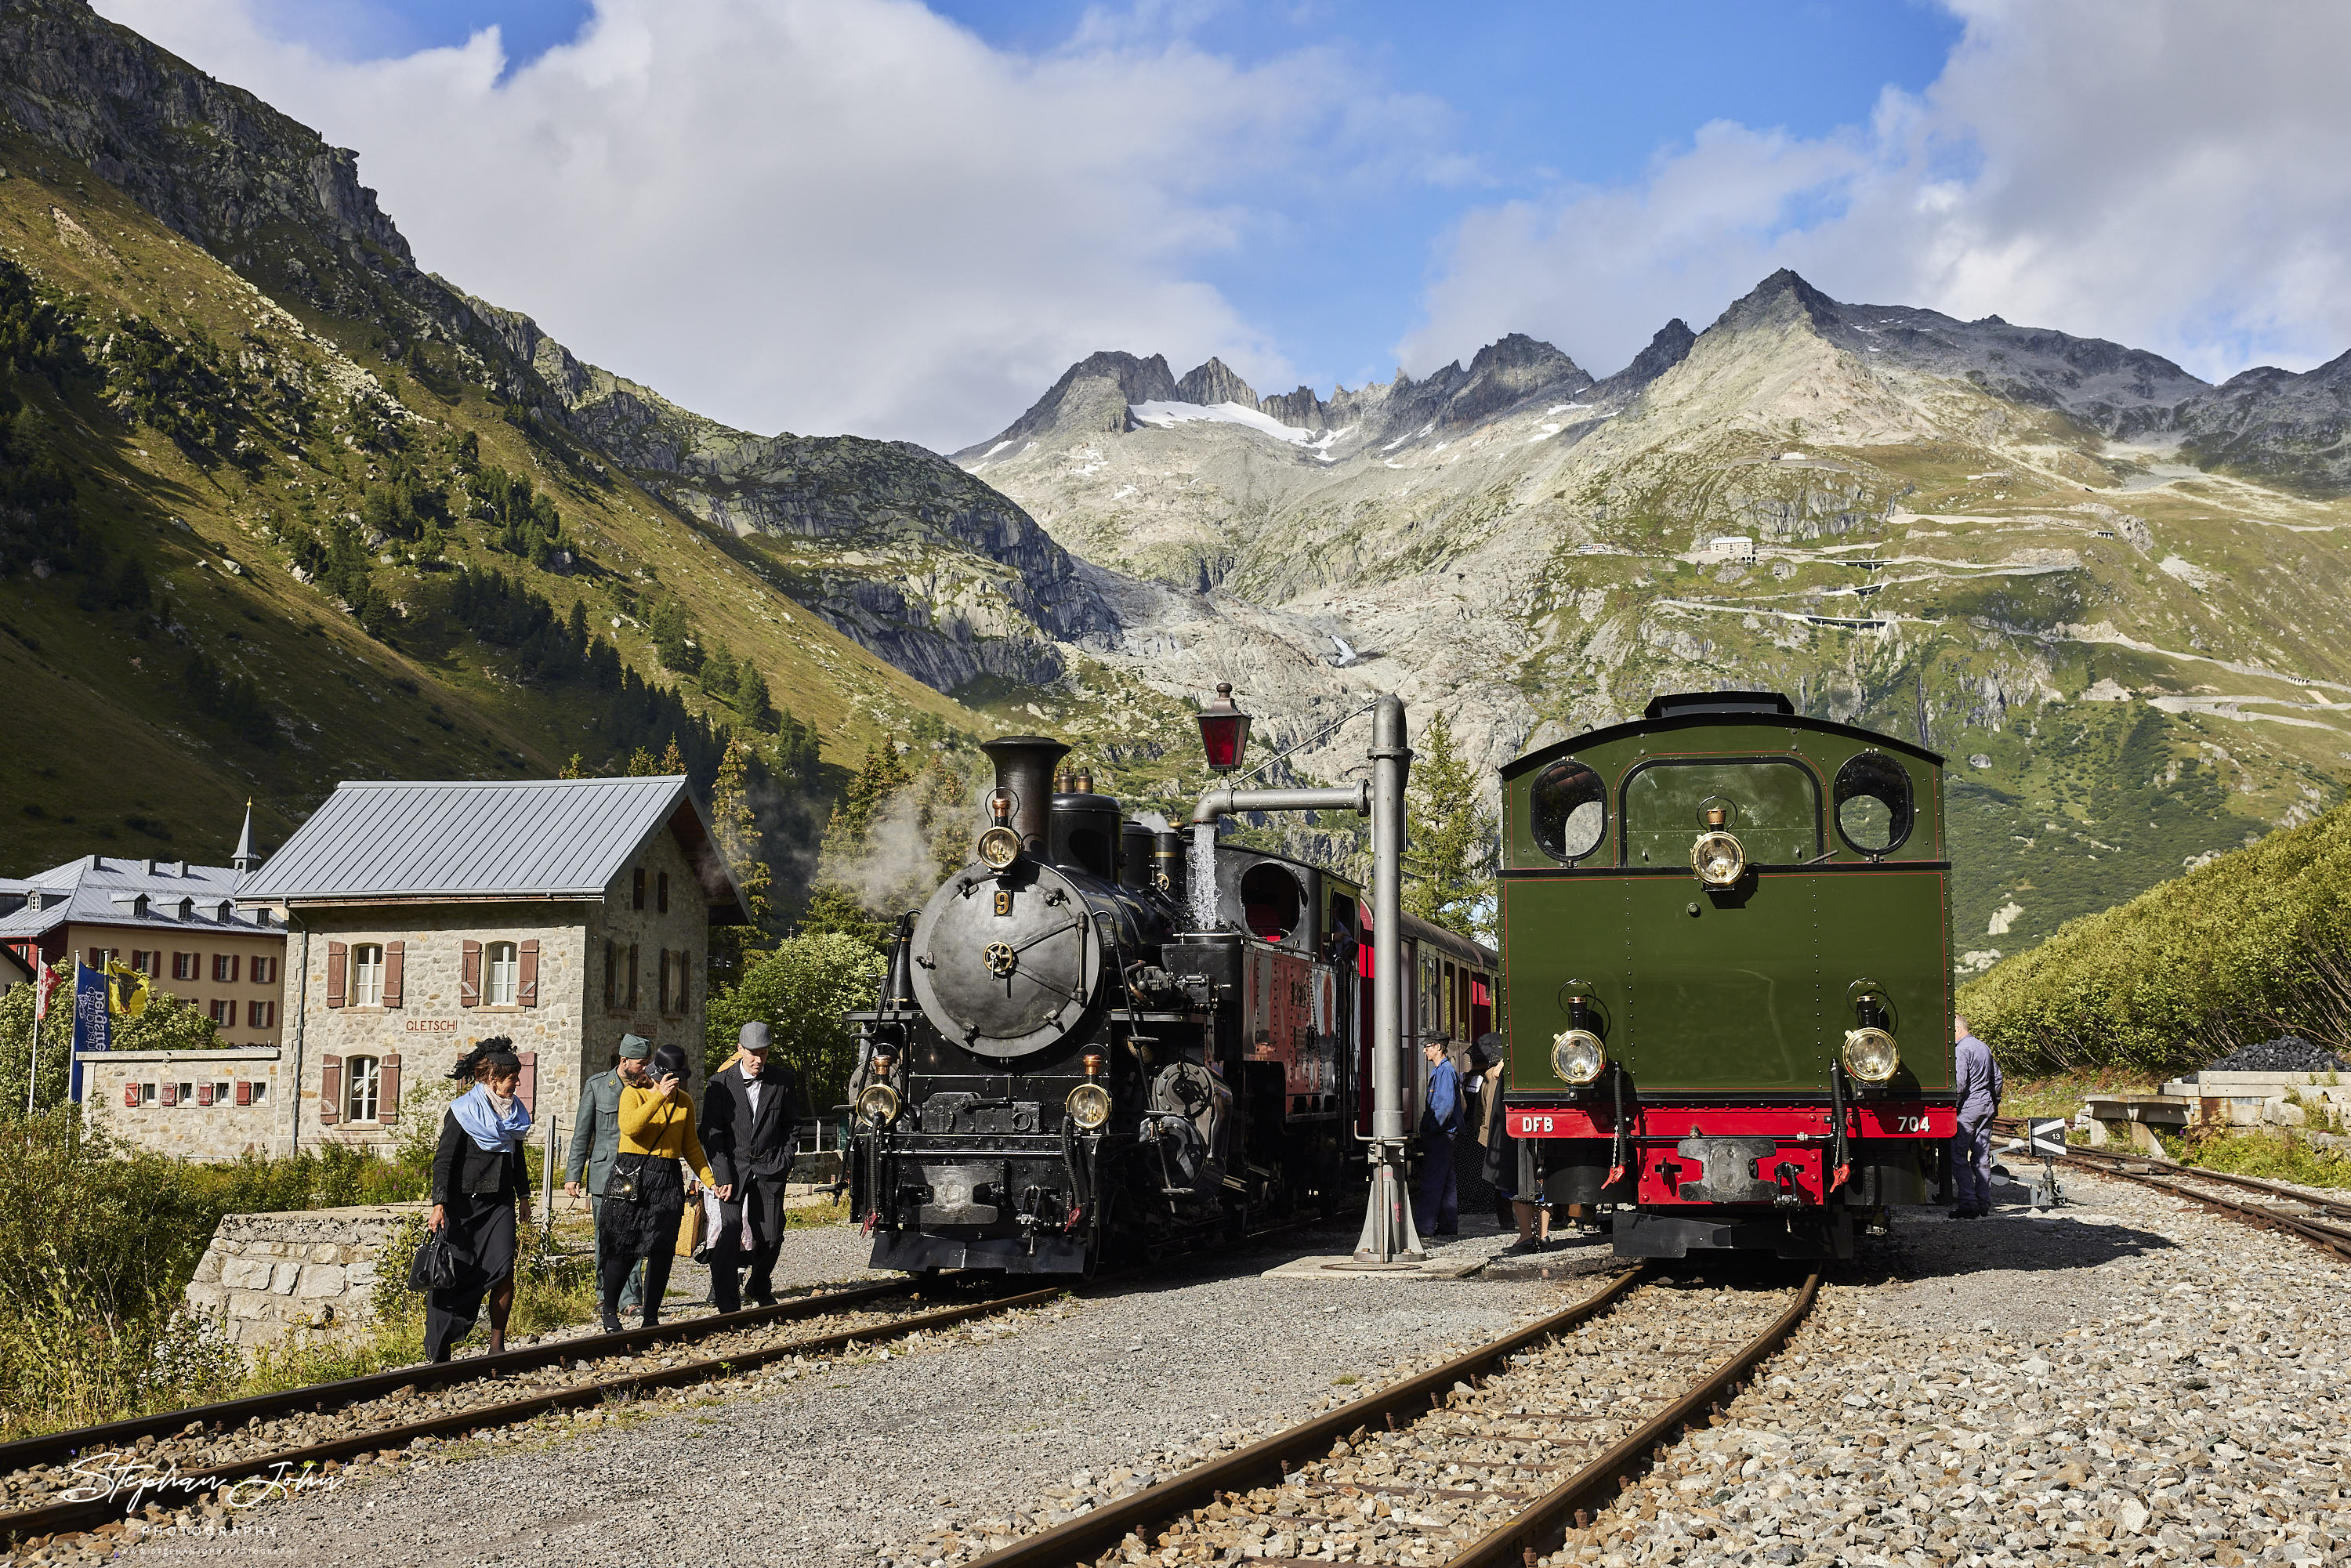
x=645, y=1197
x=478, y=1183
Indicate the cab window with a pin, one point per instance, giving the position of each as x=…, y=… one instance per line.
x=1872, y=795
x=1568, y=806
x=1773, y=806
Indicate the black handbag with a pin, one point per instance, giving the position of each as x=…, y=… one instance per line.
x=435, y=1266
x=627, y=1187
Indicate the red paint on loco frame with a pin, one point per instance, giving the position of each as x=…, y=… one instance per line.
x=1906, y=1119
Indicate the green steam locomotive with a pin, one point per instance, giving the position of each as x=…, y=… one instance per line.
x=1727, y=975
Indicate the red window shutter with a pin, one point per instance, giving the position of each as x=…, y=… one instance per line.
x=330, y=1090
x=203, y=1094
x=387, y=1093
x=527, y=977
x=243, y=1091
x=234, y=963
x=170, y=1094
x=396, y=955
x=527, y=1086
x=469, y=977
x=130, y=1094
x=339, y=959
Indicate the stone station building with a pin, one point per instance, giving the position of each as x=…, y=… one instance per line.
x=423, y=917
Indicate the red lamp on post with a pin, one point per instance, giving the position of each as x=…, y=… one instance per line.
x=1224, y=731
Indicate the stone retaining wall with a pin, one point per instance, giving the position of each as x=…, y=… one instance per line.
x=309, y=1272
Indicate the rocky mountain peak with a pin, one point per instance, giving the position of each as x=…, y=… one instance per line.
x=1668, y=347
x=1784, y=296
x=1214, y=382
x=1091, y=397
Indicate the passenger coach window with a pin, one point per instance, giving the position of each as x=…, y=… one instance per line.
x=1773, y=807
x=1873, y=803
x=1570, y=809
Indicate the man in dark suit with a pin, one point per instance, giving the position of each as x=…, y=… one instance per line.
x=750, y=1118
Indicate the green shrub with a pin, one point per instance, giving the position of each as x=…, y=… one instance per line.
x=2255, y=945
x=800, y=991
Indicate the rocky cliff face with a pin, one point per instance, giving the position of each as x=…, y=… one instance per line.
x=2291, y=430
x=934, y=570
x=212, y=161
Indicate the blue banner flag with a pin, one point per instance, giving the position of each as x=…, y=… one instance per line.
x=92, y=1028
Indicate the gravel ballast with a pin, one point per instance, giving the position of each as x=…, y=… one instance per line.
x=2135, y=1379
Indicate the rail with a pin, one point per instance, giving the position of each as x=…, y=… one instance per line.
x=1268, y=1463
x=2179, y=1181
x=208, y=1422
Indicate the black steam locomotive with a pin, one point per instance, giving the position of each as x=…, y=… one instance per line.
x=1061, y=1066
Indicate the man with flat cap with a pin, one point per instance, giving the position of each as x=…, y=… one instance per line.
x=595, y=1142
x=750, y=1118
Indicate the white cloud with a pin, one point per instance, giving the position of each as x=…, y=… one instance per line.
x=2168, y=173
x=832, y=214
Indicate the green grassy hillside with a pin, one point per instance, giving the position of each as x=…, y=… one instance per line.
x=2253, y=945
x=249, y=548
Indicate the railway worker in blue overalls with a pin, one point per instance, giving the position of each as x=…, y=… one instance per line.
x=1979, y=1088
x=1440, y=1118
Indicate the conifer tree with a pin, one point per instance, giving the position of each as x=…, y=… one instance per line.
x=673, y=762
x=1450, y=874
x=740, y=841
x=848, y=859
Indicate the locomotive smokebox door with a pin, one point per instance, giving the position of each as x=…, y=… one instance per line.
x=1011, y=965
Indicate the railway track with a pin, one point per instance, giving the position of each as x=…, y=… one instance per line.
x=1482, y=1462
x=47, y=1483
x=2272, y=1207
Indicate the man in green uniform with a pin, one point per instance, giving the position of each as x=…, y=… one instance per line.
x=597, y=1139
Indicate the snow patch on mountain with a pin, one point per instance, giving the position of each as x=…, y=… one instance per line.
x=1168, y=414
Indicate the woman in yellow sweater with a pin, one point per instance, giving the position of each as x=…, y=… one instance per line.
x=645, y=1195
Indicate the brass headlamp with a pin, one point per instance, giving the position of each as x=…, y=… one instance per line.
x=1717, y=856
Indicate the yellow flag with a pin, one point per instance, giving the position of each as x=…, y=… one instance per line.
x=126, y=989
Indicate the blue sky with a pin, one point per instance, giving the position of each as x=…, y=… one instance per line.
x=865, y=215
x=1534, y=97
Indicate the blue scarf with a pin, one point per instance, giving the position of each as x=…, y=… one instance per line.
x=483, y=1125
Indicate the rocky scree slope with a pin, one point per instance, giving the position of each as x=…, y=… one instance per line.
x=2133, y=661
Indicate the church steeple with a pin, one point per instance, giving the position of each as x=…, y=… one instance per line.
x=244, y=860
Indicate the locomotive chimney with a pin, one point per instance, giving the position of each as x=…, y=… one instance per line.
x=898, y=989
x=1024, y=770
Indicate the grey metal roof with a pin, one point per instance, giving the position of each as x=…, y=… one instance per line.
x=549, y=838
x=109, y=890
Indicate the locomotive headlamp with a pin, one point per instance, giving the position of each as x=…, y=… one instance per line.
x=878, y=1103
x=999, y=846
x=1577, y=1055
x=1717, y=859
x=1089, y=1105
x=1871, y=1055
